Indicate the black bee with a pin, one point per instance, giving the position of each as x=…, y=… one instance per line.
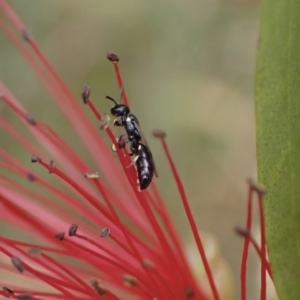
x=144, y=165
x=128, y=120
x=143, y=160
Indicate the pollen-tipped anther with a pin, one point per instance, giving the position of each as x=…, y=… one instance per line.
x=104, y=122
x=147, y=264
x=159, y=133
x=105, y=232
x=149, y=233
x=35, y=158
x=112, y=57
x=85, y=94
x=92, y=175
x=60, y=236
x=242, y=231
x=30, y=177
x=73, y=229
x=26, y=35
x=7, y=291
x=30, y=119
x=113, y=147
x=35, y=251
x=258, y=188
x=98, y=287
x=52, y=165
x=18, y=264
x=129, y=280
x=122, y=140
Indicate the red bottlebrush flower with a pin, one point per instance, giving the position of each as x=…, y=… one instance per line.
x=96, y=234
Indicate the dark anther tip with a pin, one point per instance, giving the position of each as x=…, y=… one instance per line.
x=97, y=286
x=105, y=232
x=258, y=188
x=85, y=94
x=104, y=122
x=52, y=164
x=30, y=176
x=8, y=291
x=73, y=229
x=242, y=231
x=18, y=264
x=24, y=296
x=158, y=133
x=35, y=158
x=129, y=280
x=26, y=35
x=34, y=251
x=112, y=57
x=147, y=264
x=189, y=293
x=30, y=119
x=60, y=236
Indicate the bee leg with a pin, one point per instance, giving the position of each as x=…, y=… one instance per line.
x=117, y=123
x=121, y=142
x=135, y=159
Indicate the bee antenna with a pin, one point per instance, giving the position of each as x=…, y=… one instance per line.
x=110, y=98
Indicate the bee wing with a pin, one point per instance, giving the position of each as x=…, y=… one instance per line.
x=155, y=170
x=144, y=141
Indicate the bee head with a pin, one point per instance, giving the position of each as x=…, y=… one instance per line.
x=119, y=109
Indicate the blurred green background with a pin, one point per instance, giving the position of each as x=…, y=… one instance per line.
x=188, y=68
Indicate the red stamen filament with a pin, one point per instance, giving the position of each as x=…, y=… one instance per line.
x=56, y=141
x=143, y=201
x=191, y=220
x=263, y=291
x=48, y=279
x=92, y=255
x=69, y=106
x=98, y=116
x=84, y=193
x=265, y=267
x=110, y=253
x=74, y=287
x=132, y=176
x=59, y=265
x=90, y=198
x=246, y=246
x=173, y=263
x=120, y=83
x=259, y=252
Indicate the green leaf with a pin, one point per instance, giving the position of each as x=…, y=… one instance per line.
x=278, y=138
